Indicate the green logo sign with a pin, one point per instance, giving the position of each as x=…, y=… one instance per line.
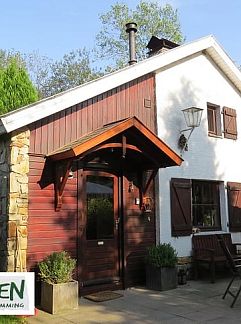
x=7, y=290
x=16, y=293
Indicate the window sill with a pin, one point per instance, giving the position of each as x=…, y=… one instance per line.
x=206, y=229
x=215, y=135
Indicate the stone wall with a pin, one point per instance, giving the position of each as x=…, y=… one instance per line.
x=15, y=201
x=4, y=181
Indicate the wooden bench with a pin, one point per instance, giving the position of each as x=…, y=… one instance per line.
x=206, y=249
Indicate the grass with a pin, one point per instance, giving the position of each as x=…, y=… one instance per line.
x=12, y=319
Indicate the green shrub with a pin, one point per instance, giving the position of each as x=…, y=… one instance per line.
x=162, y=255
x=58, y=267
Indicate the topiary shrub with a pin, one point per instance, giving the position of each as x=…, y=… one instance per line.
x=56, y=268
x=162, y=255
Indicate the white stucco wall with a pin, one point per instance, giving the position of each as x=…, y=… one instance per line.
x=195, y=82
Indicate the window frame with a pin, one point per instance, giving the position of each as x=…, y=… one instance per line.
x=181, y=201
x=215, y=120
x=216, y=204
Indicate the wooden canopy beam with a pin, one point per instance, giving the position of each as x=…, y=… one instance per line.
x=114, y=145
x=149, y=180
x=102, y=135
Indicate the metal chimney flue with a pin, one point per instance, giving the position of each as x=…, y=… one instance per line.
x=131, y=29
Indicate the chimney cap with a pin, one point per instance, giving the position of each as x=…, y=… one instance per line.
x=155, y=44
x=131, y=26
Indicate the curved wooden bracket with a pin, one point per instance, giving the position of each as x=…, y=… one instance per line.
x=61, y=176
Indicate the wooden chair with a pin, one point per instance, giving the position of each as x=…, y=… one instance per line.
x=235, y=267
x=207, y=250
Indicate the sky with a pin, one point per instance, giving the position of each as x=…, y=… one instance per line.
x=55, y=27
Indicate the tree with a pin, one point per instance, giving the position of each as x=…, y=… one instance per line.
x=152, y=20
x=39, y=69
x=16, y=88
x=36, y=65
x=73, y=70
x=51, y=77
x=7, y=55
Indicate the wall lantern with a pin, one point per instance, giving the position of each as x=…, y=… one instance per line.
x=193, y=116
x=147, y=205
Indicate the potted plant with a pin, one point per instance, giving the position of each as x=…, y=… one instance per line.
x=161, y=267
x=59, y=292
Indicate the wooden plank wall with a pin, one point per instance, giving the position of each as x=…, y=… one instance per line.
x=48, y=230
x=55, y=231
x=127, y=100
x=139, y=234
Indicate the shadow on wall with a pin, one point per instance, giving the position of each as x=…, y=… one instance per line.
x=59, y=236
x=200, y=161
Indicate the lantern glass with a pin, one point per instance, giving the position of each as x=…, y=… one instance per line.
x=193, y=116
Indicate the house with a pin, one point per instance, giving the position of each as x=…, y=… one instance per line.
x=97, y=170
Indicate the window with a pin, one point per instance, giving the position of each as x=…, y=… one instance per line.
x=214, y=120
x=205, y=204
x=194, y=203
x=100, y=208
x=229, y=123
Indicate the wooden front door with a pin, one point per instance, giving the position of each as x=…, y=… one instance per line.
x=99, y=229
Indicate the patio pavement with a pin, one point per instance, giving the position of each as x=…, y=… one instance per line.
x=195, y=302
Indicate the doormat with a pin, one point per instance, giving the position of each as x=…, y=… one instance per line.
x=101, y=296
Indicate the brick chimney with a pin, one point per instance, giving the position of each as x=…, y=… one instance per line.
x=157, y=45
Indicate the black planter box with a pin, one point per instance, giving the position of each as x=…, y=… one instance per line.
x=161, y=278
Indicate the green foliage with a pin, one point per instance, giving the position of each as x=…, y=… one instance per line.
x=16, y=88
x=162, y=255
x=57, y=268
x=152, y=20
x=51, y=77
x=74, y=69
x=12, y=319
x=100, y=217
x=7, y=56
x=39, y=69
x=100, y=206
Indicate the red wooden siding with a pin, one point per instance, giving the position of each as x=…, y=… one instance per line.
x=139, y=234
x=55, y=231
x=127, y=100
x=47, y=230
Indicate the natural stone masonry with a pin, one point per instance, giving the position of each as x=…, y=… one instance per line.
x=14, y=168
x=4, y=180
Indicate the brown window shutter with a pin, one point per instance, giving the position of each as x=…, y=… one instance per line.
x=181, y=207
x=229, y=123
x=234, y=206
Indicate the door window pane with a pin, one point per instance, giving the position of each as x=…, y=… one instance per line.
x=100, y=208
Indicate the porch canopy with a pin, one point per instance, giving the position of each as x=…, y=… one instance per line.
x=128, y=140
x=126, y=145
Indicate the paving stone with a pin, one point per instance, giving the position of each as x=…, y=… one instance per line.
x=197, y=302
